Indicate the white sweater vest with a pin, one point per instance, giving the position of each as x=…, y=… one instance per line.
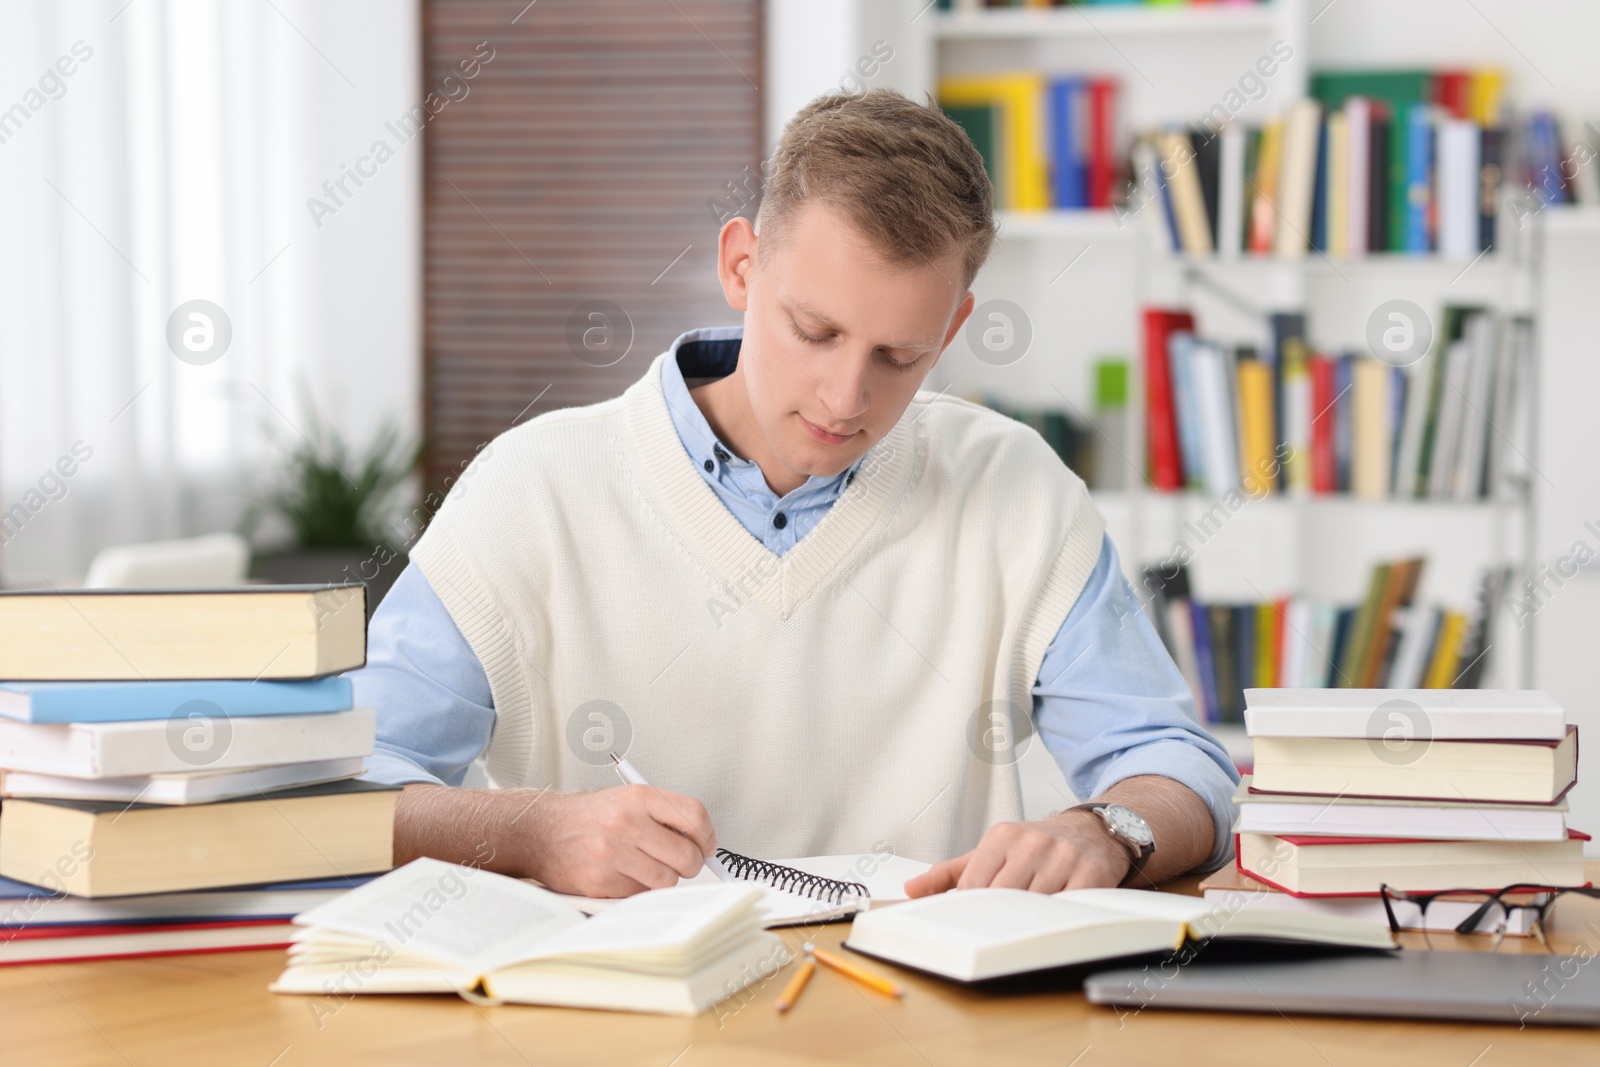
x=851, y=693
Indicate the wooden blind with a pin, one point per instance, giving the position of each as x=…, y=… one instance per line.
x=570, y=183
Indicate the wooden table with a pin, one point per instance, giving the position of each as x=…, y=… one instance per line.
x=215, y=1009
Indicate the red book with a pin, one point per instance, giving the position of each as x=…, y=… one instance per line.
x=1161, y=423
x=60, y=944
x=1324, y=465
x=1452, y=90
x=1102, y=140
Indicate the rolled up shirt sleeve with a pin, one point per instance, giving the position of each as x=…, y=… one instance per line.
x=1110, y=704
x=429, y=691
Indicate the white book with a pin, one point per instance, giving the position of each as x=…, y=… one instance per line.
x=153, y=746
x=1416, y=624
x=1324, y=628
x=1413, y=420
x=202, y=787
x=1219, y=444
x=1287, y=813
x=1297, y=178
x=1452, y=714
x=1458, y=179
x=1507, y=417
x=1230, y=192
x=1447, y=428
x=1317, y=866
x=440, y=927
x=1358, y=138
x=1483, y=332
x=975, y=934
x=1297, y=643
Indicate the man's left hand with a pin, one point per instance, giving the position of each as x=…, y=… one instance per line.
x=1072, y=850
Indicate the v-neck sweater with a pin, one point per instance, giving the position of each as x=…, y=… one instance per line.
x=819, y=702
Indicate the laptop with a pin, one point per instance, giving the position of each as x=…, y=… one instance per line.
x=1525, y=989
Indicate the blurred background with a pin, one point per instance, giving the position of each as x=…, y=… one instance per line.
x=1302, y=288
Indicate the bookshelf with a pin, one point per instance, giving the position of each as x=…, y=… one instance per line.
x=1551, y=271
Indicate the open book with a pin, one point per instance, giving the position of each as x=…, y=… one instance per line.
x=974, y=934
x=434, y=927
x=816, y=889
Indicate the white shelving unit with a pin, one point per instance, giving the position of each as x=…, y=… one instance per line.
x=1165, y=59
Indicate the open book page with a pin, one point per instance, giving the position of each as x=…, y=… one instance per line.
x=660, y=921
x=472, y=919
x=998, y=916
x=1209, y=918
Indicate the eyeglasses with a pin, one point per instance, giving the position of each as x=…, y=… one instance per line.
x=1492, y=912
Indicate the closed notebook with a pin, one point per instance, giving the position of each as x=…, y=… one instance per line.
x=266, y=631
x=975, y=934
x=797, y=892
x=1526, y=772
x=98, y=849
x=433, y=927
x=1321, y=866
x=123, y=701
x=182, y=745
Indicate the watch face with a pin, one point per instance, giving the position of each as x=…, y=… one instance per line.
x=1128, y=823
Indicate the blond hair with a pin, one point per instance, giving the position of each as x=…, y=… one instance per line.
x=904, y=174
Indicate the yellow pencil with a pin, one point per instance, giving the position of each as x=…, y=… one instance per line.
x=859, y=973
x=797, y=984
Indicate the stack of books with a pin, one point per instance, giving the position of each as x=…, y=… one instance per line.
x=1420, y=790
x=1248, y=421
x=178, y=768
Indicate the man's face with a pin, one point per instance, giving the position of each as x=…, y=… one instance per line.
x=835, y=342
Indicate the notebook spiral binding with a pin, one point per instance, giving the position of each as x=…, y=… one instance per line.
x=787, y=878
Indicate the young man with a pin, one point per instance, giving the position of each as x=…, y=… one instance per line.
x=805, y=599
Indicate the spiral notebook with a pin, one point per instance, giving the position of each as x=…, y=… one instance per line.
x=802, y=891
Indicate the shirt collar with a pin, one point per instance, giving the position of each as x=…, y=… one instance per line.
x=713, y=352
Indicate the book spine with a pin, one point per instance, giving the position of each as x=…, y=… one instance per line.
x=1166, y=471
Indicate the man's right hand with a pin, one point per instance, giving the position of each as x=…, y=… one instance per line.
x=608, y=843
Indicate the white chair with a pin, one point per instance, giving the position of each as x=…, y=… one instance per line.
x=193, y=563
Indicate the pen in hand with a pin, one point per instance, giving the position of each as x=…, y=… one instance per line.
x=631, y=776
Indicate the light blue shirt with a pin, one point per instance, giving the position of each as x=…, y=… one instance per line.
x=1109, y=702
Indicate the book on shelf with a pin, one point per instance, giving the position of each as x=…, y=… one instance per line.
x=1231, y=889
x=978, y=934
x=1322, y=866
x=1451, y=424
x=100, y=848
x=436, y=927
x=268, y=631
x=1299, y=814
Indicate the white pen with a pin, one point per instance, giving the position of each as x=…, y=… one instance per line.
x=631, y=775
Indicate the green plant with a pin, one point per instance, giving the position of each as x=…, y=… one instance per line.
x=333, y=494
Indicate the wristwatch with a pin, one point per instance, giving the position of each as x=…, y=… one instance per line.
x=1128, y=828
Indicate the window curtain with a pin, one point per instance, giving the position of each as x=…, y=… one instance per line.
x=175, y=309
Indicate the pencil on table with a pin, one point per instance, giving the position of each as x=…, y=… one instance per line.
x=861, y=974
x=797, y=984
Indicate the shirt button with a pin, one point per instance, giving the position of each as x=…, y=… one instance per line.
x=710, y=466
x=780, y=520
x=719, y=453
